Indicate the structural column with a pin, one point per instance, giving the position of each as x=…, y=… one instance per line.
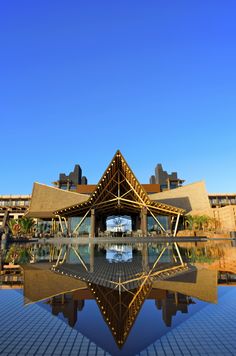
x=144, y=221
x=69, y=232
x=145, y=257
x=92, y=223
x=91, y=257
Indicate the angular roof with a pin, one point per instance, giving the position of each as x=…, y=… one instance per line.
x=189, y=197
x=118, y=193
x=45, y=200
x=40, y=283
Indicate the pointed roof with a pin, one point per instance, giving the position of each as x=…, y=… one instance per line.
x=120, y=310
x=119, y=192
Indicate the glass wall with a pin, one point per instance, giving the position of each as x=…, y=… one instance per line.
x=84, y=228
x=154, y=226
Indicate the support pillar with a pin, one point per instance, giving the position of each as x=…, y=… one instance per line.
x=137, y=222
x=91, y=257
x=92, y=223
x=69, y=231
x=145, y=257
x=176, y=225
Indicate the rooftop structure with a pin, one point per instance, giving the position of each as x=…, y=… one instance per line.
x=72, y=180
x=165, y=180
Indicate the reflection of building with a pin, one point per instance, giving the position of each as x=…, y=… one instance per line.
x=68, y=306
x=120, y=289
x=171, y=304
x=165, y=180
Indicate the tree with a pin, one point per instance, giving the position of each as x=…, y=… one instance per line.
x=202, y=221
x=26, y=225
x=17, y=254
x=14, y=226
x=189, y=220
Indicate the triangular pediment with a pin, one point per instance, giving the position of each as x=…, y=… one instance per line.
x=119, y=192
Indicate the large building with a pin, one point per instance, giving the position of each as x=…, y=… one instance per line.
x=165, y=180
x=148, y=208
x=219, y=200
x=72, y=180
x=117, y=194
x=13, y=207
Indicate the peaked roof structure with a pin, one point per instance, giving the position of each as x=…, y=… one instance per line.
x=119, y=193
x=120, y=310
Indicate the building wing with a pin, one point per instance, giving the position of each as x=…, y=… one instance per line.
x=45, y=200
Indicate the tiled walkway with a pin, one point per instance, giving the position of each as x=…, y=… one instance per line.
x=211, y=331
x=31, y=330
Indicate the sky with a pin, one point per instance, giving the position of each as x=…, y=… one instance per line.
x=81, y=79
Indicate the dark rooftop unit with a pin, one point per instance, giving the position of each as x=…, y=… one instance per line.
x=72, y=180
x=166, y=181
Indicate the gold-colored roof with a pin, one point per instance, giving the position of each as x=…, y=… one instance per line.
x=45, y=200
x=119, y=192
x=40, y=283
x=189, y=197
x=204, y=288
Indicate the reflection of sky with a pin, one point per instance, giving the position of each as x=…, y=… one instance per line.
x=119, y=254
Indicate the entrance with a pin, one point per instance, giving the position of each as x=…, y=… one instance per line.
x=119, y=225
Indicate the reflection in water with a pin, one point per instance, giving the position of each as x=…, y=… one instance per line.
x=68, y=306
x=171, y=304
x=119, y=288
x=171, y=274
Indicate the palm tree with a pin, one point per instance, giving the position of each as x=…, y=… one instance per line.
x=189, y=219
x=203, y=221
x=26, y=225
x=14, y=226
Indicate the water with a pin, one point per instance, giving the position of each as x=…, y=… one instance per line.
x=119, y=299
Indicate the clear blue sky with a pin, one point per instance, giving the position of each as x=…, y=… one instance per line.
x=80, y=79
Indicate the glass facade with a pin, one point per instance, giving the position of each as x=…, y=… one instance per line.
x=84, y=229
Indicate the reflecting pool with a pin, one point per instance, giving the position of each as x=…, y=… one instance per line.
x=173, y=298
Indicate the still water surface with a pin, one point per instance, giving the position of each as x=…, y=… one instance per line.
x=119, y=299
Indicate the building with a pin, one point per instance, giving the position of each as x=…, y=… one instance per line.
x=72, y=180
x=151, y=208
x=220, y=200
x=117, y=194
x=165, y=180
x=13, y=206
